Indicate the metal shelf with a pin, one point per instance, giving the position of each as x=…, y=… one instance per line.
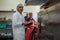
x=5, y=28
x=6, y=20
x=6, y=11
x=6, y=37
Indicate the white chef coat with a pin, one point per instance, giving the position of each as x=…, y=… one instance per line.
x=18, y=28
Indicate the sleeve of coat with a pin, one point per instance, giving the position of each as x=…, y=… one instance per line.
x=15, y=21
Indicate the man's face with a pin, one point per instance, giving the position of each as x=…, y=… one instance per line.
x=20, y=9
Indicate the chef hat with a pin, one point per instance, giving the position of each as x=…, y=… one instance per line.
x=19, y=5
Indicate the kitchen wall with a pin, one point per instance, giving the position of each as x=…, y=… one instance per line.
x=8, y=5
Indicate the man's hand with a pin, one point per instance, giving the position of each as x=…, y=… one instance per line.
x=24, y=23
x=27, y=23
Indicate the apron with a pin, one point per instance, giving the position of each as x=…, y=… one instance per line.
x=32, y=32
x=29, y=32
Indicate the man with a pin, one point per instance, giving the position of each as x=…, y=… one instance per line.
x=18, y=24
